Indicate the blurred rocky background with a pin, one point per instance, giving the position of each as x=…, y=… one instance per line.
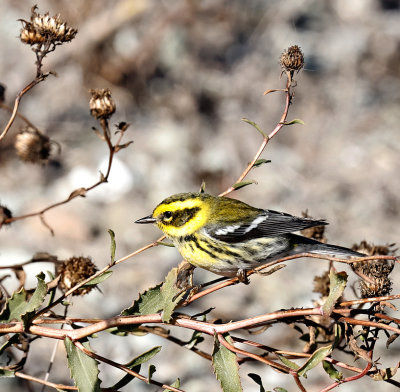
x=184, y=73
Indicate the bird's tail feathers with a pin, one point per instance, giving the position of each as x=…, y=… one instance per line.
x=311, y=246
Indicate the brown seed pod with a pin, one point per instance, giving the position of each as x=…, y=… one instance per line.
x=74, y=271
x=292, y=59
x=378, y=271
x=32, y=146
x=101, y=103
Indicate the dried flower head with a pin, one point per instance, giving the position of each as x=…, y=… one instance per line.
x=74, y=271
x=32, y=146
x=376, y=271
x=5, y=214
x=101, y=103
x=316, y=232
x=43, y=29
x=292, y=59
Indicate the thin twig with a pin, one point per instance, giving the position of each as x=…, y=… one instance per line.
x=124, y=368
x=47, y=383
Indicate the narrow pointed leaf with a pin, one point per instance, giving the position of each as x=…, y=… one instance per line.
x=135, y=366
x=113, y=245
x=260, y=162
x=242, y=184
x=226, y=367
x=337, y=285
x=315, y=359
x=332, y=372
x=290, y=364
x=196, y=338
x=84, y=369
x=252, y=123
x=98, y=279
x=295, y=121
x=176, y=384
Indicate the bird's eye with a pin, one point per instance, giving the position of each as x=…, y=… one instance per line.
x=167, y=216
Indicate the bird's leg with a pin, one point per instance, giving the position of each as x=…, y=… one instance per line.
x=241, y=274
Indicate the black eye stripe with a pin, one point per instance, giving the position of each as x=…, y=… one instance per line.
x=180, y=217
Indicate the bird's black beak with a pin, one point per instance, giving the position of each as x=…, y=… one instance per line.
x=147, y=219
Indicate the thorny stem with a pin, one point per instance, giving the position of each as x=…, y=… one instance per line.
x=124, y=368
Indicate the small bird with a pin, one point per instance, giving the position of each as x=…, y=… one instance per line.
x=229, y=237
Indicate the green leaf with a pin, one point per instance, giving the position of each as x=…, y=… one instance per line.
x=295, y=121
x=332, y=372
x=253, y=124
x=171, y=294
x=113, y=245
x=279, y=389
x=176, y=384
x=4, y=373
x=84, y=369
x=148, y=303
x=134, y=365
x=226, y=367
x=18, y=308
x=260, y=162
x=196, y=338
x=290, y=364
x=337, y=285
x=338, y=335
x=98, y=279
x=152, y=370
x=315, y=359
x=257, y=379
x=163, y=243
x=242, y=184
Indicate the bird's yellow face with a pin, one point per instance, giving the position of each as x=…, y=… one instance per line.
x=181, y=217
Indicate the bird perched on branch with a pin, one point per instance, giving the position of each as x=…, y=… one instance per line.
x=229, y=237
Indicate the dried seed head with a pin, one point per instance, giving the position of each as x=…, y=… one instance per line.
x=74, y=271
x=316, y=232
x=5, y=214
x=101, y=103
x=32, y=146
x=30, y=36
x=379, y=283
x=44, y=28
x=292, y=59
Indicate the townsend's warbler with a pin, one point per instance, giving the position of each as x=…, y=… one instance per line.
x=229, y=237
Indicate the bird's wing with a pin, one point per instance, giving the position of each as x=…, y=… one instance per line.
x=269, y=223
